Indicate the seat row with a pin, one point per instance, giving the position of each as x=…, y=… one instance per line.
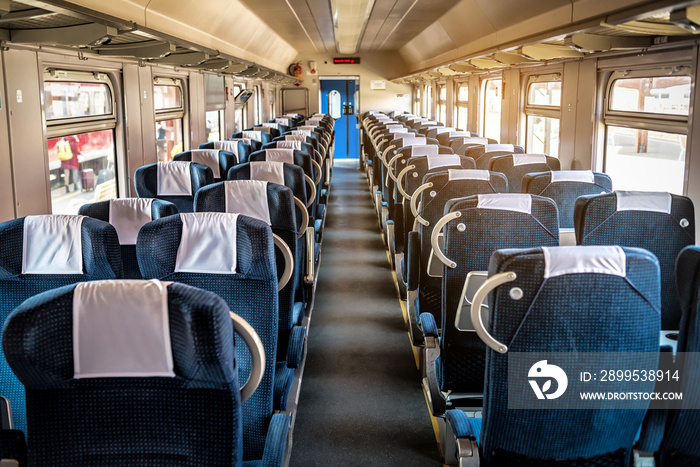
x=456, y=232
x=145, y=369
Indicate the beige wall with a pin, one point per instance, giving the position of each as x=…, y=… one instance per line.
x=379, y=66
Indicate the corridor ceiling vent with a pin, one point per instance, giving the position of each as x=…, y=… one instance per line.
x=350, y=19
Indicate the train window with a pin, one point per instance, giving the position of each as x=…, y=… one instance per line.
x=646, y=124
x=429, y=101
x=416, y=102
x=215, y=90
x=491, y=116
x=80, y=121
x=462, y=111
x=239, y=111
x=542, y=114
x=442, y=103
x=258, y=104
x=170, y=113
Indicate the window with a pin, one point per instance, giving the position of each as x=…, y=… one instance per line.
x=215, y=90
x=442, y=103
x=80, y=121
x=646, y=121
x=170, y=113
x=542, y=114
x=462, y=112
x=257, y=111
x=429, y=101
x=491, y=117
x=416, y=103
x=239, y=111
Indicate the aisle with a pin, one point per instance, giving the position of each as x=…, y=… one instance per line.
x=361, y=401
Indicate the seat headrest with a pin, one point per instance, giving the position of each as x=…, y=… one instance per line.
x=174, y=179
x=120, y=329
x=271, y=125
x=208, y=157
x=295, y=137
x=283, y=121
x=301, y=132
x=128, y=215
x=52, y=244
x=584, y=176
x=524, y=159
x=644, y=201
x=280, y=155
x=442, y=160
x=517, y=202
x=424, y=150
x=247, y=197
x=596, y=259
x=252, y=134
x=499, y=147
x=412, y=140
x=296, y=145
x=395, y=128
x=270, y=171
x=241, y=140
x=229, y=146
x=468, y=174
x=208, y=243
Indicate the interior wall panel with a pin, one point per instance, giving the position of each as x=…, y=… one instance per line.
x=585, y=116
x=133, y=124
x=567, y=125
x=7, y=195
x=148, y=119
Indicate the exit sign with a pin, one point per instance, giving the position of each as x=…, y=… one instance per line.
x=346, y=60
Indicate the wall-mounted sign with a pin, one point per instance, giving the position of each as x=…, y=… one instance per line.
x=346, y=60
x=377, y=85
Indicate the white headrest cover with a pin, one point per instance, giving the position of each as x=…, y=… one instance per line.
x=562, y=260
x=208, y=243
x=424, y=150
x=228, y=146
x=174, y=178
x=585, y=176
x=264, y=129
x=442, y=160
x=499, y=147
x=252, y=134
x=52, y=244
x=644, y=201
x=413, y=140
x=302, y=132
x=282, y=121
x=280, y=155
x=506, y=202
x=120, y=329
x=248, y=197
x=524, y=159
x=456, y=133
x=208, y=157
x=316, y=121
x=444, y=129
x=468, y=174
x=128, y=215
x=242, y=140
x=308, y=127
x=475, y=140
x=268, y=171
x=289, y=145
x=395, y=128
x=271, y=125
x=301, y=138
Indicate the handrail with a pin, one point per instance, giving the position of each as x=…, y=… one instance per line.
x=475, y=312
x=436, y=233
x=288, y=261
x=414, y=198
x=257, y=354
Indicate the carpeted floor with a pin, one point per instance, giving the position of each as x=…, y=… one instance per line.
x=361, y=400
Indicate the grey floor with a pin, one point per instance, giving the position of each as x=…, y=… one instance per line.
x=361, y=400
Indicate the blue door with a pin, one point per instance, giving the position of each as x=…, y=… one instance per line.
x=338, y=98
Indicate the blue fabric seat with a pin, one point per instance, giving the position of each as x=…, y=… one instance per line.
x=99, y=256
x=256, y=135
x=483, y=153
x=238, y=264
x=516, y=166
x=85, y=411
x=611, y=298
x=224, y=161
x=564, y=187
x=176, y=182
x=129, y=215
x=238, y=148
x=662, y=223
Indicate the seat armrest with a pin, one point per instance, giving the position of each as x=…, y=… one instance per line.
x=413, y=260
x=295, y=348
x=276, y=440
x=427, y=322
x=461, y=439
x=398, y=228
x=429, y=362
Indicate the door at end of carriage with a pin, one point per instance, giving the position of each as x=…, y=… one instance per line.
x=339, y=100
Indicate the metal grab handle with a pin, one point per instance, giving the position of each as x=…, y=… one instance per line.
x=319, y=157
x=319, y=171
x=384, y=154
x=479, y=297
x=414, y=199
x=436, y=233
x=310, y=255
x=390, y=167
x=257, y=354
x=380, y=154
x=288, y=261
x=304, y=217
x=312, y=197
x=399, y=185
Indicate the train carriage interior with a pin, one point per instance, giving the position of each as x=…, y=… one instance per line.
x=349, y=232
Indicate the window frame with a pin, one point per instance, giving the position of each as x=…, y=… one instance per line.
x=441, y=107
x=539, y=110
x=460, y=104
x=482, y=101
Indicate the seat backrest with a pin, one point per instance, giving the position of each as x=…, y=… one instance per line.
x=217, y=160
x=422, y=165
x=128, y=215
x=41, y=253
x=564, y=186
x=175, y=181
x=281, y=173
x=437, y=131
x=611, y=300
x=662, y=223
x=254, y=134
x=233, y=256
x=482, y=154
x=515, y=166
x=443, y=138
x=487, y=223
x=679, y=446
x=240, y=148
x=148, y=385
x=265, y=128
x=288, y=156
x=281, y=143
